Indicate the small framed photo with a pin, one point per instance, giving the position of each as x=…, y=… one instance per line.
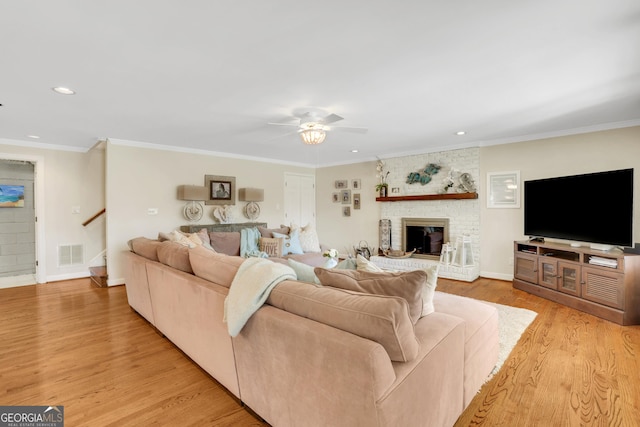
x=222, y=189
x=345, y=196
x=341, y=184
x=356, y=184
x=346, y=211
x=335, y=197
x=504, y=189
x=356, y=201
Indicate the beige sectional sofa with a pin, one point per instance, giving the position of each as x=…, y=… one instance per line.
x=317, y=355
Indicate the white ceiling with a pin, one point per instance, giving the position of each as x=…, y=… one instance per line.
x=209, y=75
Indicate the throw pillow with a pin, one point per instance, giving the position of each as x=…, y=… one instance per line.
x=347, y=264
x=304, y=272
x=268, y=232
x=291, y=242
x=272, y=246
x=145, y=247
x=382, y=319
x=203, y=235
x=175, y=255
x=429, y=289
x=308, y=238
x=363, y=264
x=225, y=242
x=407, y=285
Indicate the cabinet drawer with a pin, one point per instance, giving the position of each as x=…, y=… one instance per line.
x=603, y=287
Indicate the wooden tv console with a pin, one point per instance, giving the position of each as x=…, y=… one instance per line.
x=568, y=275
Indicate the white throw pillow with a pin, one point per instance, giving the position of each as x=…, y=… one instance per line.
x=363, y=264
x=309, y=240
x=429, y=289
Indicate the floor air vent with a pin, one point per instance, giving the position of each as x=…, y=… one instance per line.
x=70, y=255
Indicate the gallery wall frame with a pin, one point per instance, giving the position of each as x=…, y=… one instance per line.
x=503, y=190
x=222, y=189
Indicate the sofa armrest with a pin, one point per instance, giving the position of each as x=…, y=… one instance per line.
x=292, y=369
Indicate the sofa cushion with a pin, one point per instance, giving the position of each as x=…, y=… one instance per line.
x=145, y=247
x=272, y=246
x=429, y=289
x=214, y=267
x=407, y=285
x=382, y=319
x=175, y=255
x=363, y=264
x=225, y=242
x=268, y=232
x=290, y=243
x=304, y=272
x=309, y=240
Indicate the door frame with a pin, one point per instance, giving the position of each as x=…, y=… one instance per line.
x=38, y=207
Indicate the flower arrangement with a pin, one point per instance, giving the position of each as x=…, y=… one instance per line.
x=331, y=253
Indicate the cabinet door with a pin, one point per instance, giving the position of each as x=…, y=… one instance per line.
x=526, y=267
x=604, y=287
x=568, y=278
x=548, y=273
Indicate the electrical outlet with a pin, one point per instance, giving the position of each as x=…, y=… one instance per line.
x=510, y=261
x=75, y=209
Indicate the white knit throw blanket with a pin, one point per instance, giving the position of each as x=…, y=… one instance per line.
x=250, y=288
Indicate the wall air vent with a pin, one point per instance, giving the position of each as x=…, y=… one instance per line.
x=70, y=255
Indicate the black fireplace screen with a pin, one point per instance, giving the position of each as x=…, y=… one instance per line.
x=424, y=240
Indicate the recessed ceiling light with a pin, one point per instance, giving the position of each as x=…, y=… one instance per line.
x=354, y=151
x=33, y=136
x=461, y=132
x=63, y=90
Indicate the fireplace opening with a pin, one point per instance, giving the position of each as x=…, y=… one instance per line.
x=425, y=235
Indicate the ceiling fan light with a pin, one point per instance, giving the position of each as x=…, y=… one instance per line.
x=313, y=136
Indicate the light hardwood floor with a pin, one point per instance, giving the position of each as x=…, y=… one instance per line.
x=73, y=344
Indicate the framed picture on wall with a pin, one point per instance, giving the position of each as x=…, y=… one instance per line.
x=356, y=184
x=335, y=197
x=11, y=196
x=345, y=196
x=222, y=189
x=504, y=189
x=356, y=201
x=341, y=183
x=346, y=211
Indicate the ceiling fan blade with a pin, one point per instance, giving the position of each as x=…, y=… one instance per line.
x=331, y=118
x=284, y=124
x=349, y=129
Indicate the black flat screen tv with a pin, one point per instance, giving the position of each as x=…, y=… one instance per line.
x=593, y=208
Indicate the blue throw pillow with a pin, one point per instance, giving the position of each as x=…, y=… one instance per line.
x=304, y=272
x=291, y=243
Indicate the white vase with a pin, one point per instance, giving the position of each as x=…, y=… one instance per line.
x=330, y=263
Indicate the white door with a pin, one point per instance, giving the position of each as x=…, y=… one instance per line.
x=299, y=199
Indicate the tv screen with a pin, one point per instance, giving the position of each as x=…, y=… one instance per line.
x=593, y=208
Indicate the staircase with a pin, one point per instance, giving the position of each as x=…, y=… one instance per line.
x=99, y=276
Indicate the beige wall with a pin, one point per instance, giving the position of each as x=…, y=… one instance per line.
x=340, y=232
x=569, y=155
x=139, y=177
x=70, y=179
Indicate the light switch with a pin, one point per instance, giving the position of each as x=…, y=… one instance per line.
x=75, y=209
x=152, y=211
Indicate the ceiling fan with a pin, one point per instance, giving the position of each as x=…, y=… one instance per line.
x=313, y=125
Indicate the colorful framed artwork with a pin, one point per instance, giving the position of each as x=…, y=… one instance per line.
x=11, y=196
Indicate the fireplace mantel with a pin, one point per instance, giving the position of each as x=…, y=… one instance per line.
x=445, y=196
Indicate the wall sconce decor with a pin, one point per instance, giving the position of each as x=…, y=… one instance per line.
x=251, y=195
x=194, y=194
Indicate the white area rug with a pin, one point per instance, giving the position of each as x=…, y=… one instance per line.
x=512, y=322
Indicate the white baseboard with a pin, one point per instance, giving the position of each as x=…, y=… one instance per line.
x=497, y=276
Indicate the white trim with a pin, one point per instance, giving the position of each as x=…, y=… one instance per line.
x=15, y=281
x=41, y=247
x=497, y=276
x=68, y=276
x=115, y=282
x=42, y=146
